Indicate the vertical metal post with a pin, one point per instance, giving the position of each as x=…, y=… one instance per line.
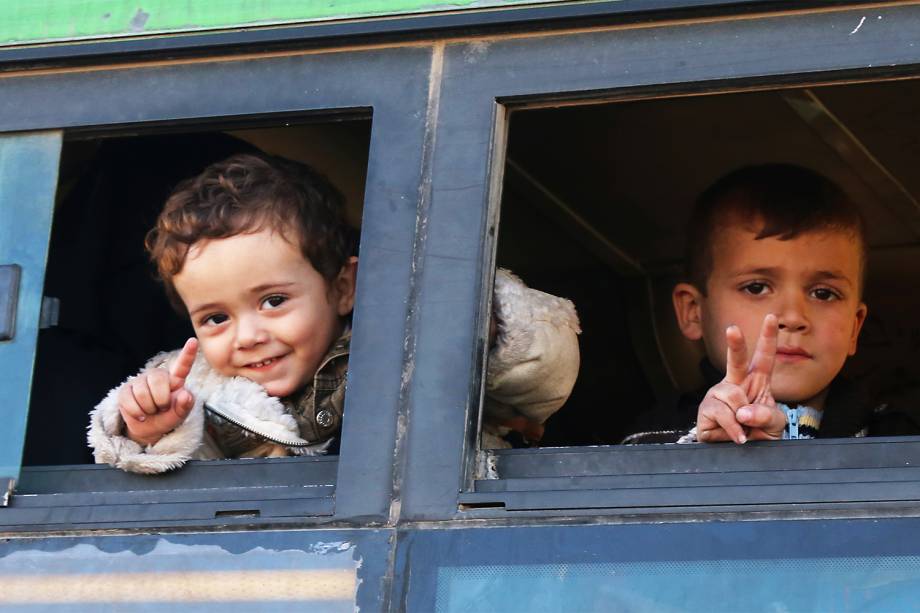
x=28, y=181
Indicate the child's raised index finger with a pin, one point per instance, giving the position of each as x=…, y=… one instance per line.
x=736, y=362
x=765, y=351
x=183, y=364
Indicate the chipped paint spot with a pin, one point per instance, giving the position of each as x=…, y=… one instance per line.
x=335, y=547
x=858, y=26
x=475, y=51
x=139, y=21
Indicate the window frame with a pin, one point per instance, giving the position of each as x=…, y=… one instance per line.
x=655, y=60
x=127, y=99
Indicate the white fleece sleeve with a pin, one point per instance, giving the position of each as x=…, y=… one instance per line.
x=110, y=445
x=534, y=363
x=189, y=441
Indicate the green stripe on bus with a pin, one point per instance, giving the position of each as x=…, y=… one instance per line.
x=34, y=21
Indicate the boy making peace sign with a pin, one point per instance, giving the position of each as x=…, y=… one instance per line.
x=775, y=274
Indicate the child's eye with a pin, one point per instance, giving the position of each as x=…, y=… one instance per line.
x=755, y=288
x=215, y=319
x=273, y=302
x=825, y=294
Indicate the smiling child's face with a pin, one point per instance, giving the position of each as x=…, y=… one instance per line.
x=261, y=311
x=810, y=282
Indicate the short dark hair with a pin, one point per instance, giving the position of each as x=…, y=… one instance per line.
x=788, y=200
x=246, y=193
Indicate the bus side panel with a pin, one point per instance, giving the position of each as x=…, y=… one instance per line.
x=327, y=570
x=808, y=565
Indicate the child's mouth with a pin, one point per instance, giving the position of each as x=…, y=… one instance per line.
x=263, y=364
x=792, y=354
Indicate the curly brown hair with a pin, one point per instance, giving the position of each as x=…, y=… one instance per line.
x=247, y=193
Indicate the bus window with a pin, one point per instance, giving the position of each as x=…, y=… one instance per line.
x=107, y=315
x=610, y=186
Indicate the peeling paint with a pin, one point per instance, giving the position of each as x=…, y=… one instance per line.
x=139, y=21
x=162, y=548
x=84, y=573
x=324, y=548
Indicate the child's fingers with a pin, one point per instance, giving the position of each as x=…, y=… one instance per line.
x=729, y=394
x=765, y=351
x=716, y=422
x=128, y=406
x=532, y=430
x=142, y=395
x=766, y=422
x=182, y=365
x=736, y=361
x=731, y=432
x=158, y=384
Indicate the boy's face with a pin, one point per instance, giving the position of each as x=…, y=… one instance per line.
x=260, y=310
x=811, y=283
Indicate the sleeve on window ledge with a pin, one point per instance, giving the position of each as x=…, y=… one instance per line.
x=189, y=440
x=535, y=359
x=111, y=446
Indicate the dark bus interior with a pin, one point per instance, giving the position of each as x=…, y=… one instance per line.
x=593, y=207
x=595, y=202
x=111, y=314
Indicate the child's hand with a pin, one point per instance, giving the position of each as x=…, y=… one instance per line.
x=741, y=407
x=154, y=402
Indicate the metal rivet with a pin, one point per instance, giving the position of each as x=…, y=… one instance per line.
x=324, y=418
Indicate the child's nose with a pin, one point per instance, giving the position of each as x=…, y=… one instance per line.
x=249, y=332
x=791, y=317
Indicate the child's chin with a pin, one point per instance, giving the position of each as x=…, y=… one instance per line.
x=279, y=391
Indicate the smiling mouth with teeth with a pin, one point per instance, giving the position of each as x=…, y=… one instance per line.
x=262, y=364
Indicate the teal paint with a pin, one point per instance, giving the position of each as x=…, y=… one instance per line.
x=28, y=180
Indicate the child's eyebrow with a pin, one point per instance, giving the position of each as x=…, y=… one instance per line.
x=258, y=289
x=831, y=275
x=204, y=307
x=766, y=272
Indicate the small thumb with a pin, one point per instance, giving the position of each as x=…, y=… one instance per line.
x=183, y=401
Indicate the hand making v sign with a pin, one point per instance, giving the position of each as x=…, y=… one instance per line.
x=741, y=407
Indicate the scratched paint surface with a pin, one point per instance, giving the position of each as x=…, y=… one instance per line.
x=30, y=22
x=263, y=571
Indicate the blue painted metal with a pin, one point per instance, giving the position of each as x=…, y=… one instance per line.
x=805, y=565
x=315, y=570
x=28, y=180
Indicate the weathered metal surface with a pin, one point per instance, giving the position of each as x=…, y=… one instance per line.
x=341, y=570
x=838, y=565
x=31, y=22
x=28, y=180
x=296, y=84
x=477, y=76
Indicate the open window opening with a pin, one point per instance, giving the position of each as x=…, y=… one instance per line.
x=104, y=314
x=595, y=206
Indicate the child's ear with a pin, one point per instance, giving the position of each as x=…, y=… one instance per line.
x=344, y=286
x=687, y=306
x=861, y=311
